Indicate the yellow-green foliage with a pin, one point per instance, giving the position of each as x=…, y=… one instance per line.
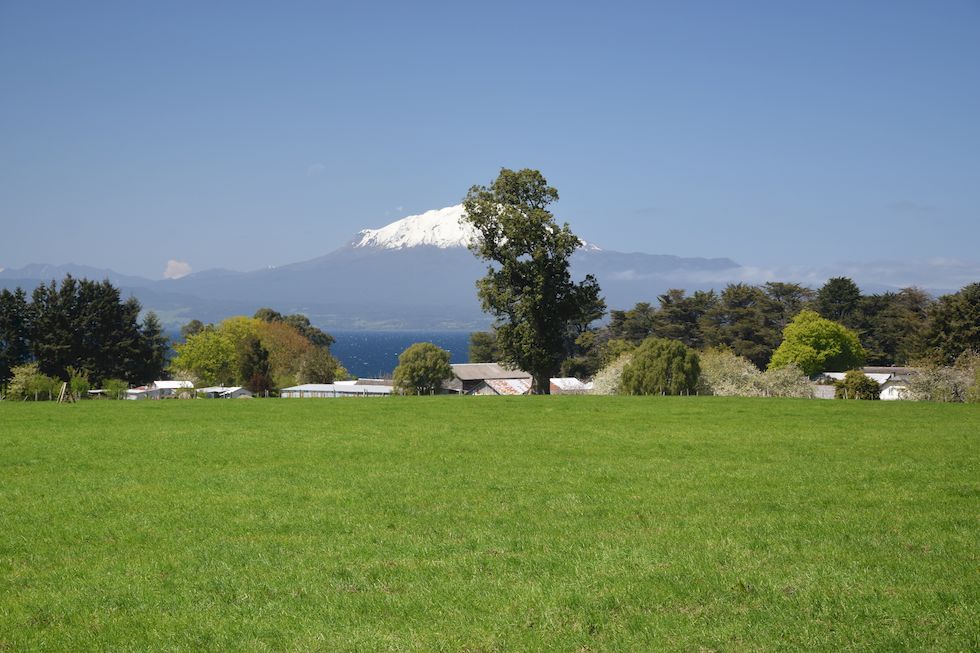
x=816, y=344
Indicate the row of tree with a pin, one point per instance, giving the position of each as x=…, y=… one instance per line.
x=893, y=328
x=263, y=352
x=80, y=327
x=542, y=320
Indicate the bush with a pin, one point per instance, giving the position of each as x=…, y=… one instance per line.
x=115, y=388
x=29, y=384
x=78, y=383
x=607, y=381
x=725, y=374
x=422, y=369
x=788, y=381
x=661, y=367
x=857, y=385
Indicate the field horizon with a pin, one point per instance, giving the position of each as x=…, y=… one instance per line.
x=489, y=524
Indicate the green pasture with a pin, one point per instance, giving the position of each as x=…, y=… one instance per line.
x=490, y=524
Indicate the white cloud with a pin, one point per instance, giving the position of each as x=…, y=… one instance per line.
x=176, y=269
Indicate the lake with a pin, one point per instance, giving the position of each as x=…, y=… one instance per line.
x=375, y=353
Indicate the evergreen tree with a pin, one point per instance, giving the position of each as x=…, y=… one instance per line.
x=953, y=325
x=483, y=347
x=539, y=312
x=838, y=299
x=744, y=320
x=14, y=344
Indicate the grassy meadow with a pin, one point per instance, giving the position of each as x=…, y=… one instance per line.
x=490, y=524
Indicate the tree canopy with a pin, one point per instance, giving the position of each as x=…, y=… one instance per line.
x=422, y=369
x=539, y=311
x=661, y=366
x=80, y=324
x=816, y=344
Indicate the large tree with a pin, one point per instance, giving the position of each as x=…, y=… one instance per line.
x=816, y=344
x=86, y=325
x=954, y=324
x=661, y=367
x=539, y=311
x=744, y=320
x=422, y=369
x=15, y=347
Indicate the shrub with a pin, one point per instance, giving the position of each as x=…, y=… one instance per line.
x=661, y=367
x=608, y=380
x=857, y=385
x=788, y=381
x=29, y=384
x=78, y=382
x=115, y=388
x=725, y=374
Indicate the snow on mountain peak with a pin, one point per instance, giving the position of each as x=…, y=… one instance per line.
x=438, y=228
x=443, y=228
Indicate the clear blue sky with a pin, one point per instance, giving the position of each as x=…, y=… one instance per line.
x=243, y=135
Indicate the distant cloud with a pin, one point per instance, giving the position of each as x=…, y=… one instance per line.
x=908, y=206
x=176, y=269
x=936, y=274
x=315, y=170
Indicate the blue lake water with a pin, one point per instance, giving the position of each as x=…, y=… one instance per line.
x=375, y=353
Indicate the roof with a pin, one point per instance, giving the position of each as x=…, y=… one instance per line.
x=880, y=379
x=894, y=371
x=341, y=388
x=172, y=385
x=220, y=389
x=570, y=383
x=509, y=386
x=482, y=371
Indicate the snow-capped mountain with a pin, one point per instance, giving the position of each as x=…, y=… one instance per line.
x=415, y=273
x=442, y=228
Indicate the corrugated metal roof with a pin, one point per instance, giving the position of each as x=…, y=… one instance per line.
x=345, y=389
x=481, y=371
x=510, y=386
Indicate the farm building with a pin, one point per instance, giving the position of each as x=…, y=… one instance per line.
x=892, y=380
x=339, y=389
x=222, y=392
x=569, y=386
x=502, y=387
x=170, y=388
x=469, y=377
x=142, y=392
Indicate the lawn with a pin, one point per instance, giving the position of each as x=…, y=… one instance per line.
x=490, y=524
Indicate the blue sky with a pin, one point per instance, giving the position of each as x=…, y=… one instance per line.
x=243, y=135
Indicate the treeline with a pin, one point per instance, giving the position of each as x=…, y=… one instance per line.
x=262, y=353
x=79, y=328
x=894, y=328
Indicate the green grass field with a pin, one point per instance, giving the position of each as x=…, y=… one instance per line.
x=490, y=524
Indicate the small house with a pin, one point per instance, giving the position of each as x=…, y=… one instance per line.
x=169, y=388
